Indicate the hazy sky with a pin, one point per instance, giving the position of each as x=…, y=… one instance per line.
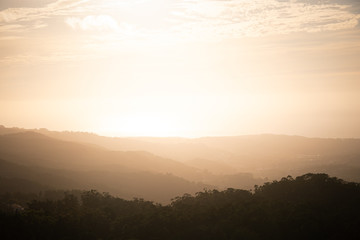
x=181, y=67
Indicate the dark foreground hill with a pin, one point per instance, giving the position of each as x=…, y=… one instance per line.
x=312, y=206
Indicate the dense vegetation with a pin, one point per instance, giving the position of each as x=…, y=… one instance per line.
x=312, y=206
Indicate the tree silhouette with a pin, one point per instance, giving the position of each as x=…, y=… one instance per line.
x=311, y=206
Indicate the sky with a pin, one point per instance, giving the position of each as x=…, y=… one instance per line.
x=181, y=67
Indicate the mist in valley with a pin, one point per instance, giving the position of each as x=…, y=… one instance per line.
x=81, y=185
x=179, y=119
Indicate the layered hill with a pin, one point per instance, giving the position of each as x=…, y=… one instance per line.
x=265, y=156
x=44, y=162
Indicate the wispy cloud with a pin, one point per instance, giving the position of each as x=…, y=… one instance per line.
x=10, y=28
x=200, y=18
x=46, y=58
x=177, y=21
x=237, y=18
x=101, y=22
x=10, y=15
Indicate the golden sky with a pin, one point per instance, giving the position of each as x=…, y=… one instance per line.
x=181, y=67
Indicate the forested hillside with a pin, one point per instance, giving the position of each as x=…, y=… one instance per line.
x=311, y=206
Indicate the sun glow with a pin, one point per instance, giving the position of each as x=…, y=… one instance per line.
x=141, y=124
x=182, y=67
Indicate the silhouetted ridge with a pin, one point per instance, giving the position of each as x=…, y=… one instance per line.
x=65, y=165
x=311, y=206
x=27, y=135
x=214, y=162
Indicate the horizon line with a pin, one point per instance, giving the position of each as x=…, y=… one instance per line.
x=115, y=135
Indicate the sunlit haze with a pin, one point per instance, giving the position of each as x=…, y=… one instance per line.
x=181, y=67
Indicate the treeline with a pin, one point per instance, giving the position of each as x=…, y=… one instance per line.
x=312, y=206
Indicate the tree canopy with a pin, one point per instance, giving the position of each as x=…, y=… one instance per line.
x=311, y=206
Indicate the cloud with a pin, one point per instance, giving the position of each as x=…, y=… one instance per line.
x=35, y=59
x=220, y=19
x=11, y=28
x=147, y=22
x=200, y=19
x=101, y=22
x=59, y=7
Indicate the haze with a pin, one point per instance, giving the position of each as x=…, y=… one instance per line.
x=181, y=67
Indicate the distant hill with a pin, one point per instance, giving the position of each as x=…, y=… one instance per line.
x=31, y=148
x=36, y=159
x=34, y=148
x=265, y=156
x=152, y=186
